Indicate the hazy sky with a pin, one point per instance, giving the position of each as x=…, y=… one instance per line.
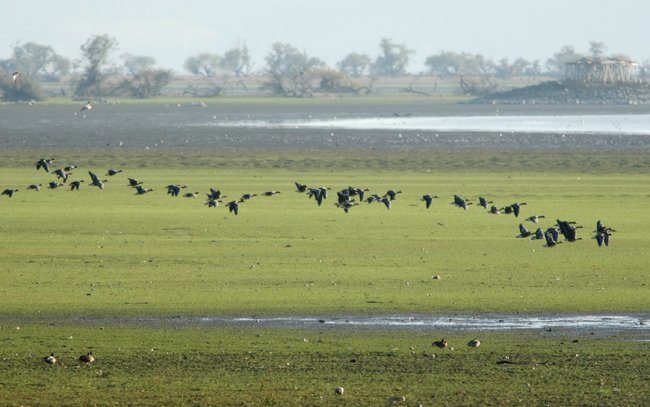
x=172, y=30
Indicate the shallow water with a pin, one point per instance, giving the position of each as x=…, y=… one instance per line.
x=600, y=323
x=638, y=124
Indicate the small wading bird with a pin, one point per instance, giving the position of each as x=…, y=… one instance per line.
x=15, y=76
x=87, y=106
x=440, y=344
x=50, y=360
x=87, y=359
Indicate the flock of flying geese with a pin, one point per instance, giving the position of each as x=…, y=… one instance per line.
x=347, y=198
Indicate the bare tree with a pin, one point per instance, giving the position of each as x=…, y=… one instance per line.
x=237, y=60
x=556, y=64
x=145, y=83
x=95, y=52
x=597, y=49
x=291, y=71
x=205, y=64
x=135, y=64
x=393, y=59
x=355, y=64
x=37, y=61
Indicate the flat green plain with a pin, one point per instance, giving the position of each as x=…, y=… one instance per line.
x=69, y=257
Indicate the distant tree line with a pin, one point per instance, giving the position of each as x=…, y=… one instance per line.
x=288, y=71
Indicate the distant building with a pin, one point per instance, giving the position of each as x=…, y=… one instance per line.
x=602, y=70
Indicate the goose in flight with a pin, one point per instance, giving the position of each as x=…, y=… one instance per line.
x=133, y=182
x=54, y=185
x=392, y=194
x=535, y=218
x=538, y=235
x=61, y=174
x=523, y=231
x=174, y=189
x=484, y=202
x=112, y=172
x=87, y=106
x=428, y=198
x=300, y=187
x=568, y=230
x=602, y=237
x=215, y=194
x=95, y=180
x=44, y=163
x=10, y=192
x=75, y=185
x=140, y=190
x=15, y=76
x=346, y=205
x=270, y=193
x=35, y=187
x=317, y=193
x=551, y=235
x=213, y=203
x=461, y=202
x=233, y=206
